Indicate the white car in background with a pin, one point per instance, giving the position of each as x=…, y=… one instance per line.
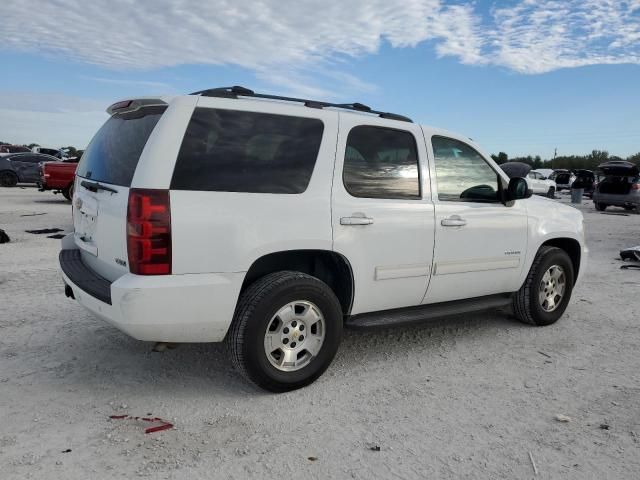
x=536, y=182
x=540, y=184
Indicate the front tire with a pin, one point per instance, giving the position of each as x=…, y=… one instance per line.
x=601, y=207
x=286, y=330
x=551, y=193
x=547, y=289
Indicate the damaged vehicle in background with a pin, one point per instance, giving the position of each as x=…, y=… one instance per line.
x=22, y=168
x=563, y=178
x=536, y=182
x=618, y=185
x=58, y=176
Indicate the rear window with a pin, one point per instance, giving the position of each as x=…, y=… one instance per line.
x=113, y=154
x=236, y=151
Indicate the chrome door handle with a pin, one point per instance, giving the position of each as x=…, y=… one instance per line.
x=356, y=220
x=453, y=221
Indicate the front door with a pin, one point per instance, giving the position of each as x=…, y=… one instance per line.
x=480, y=243
x=382, y=213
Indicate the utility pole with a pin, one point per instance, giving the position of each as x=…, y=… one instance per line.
x=555, y=153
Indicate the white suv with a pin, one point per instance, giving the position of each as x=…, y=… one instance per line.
x=274, y=222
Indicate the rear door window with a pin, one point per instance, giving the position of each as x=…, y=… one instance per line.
x=381, y=163
x=238, y=151
x=113, y=154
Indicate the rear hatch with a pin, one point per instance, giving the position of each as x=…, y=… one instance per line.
x=103, y=180
x=617, y=178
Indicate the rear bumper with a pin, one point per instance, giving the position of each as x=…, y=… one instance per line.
x=631, y=199
x=162, y=308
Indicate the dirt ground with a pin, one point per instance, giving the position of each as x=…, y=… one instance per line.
x=469, y=397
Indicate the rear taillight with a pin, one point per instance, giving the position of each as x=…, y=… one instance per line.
x=149, y=232
x=635, y=186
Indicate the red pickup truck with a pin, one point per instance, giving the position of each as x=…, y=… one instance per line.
x=58, y=176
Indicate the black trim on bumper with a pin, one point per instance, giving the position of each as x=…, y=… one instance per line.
x=83, y=277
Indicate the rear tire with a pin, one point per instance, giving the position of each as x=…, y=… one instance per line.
x=551, y=193
x=628, y=208
x=68, y=192
x=257, y=336
x=601, y=207
x=539, y=301
x=8, y=179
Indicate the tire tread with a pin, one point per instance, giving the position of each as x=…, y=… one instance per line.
x=522, y=299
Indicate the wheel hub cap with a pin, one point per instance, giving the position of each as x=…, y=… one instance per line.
x=294, y=335
x=552, y=288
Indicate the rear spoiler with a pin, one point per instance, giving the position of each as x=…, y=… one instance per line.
x=135, y=104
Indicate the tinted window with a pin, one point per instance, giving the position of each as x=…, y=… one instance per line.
x=113, y=154
x=462, y=174
x=234, y=151
x=381, y=163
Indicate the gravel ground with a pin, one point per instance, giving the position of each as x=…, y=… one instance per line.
x=468, y=397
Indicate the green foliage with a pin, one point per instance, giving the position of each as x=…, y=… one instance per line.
x=589, y=162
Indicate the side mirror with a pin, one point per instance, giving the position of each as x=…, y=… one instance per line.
x=518, y=189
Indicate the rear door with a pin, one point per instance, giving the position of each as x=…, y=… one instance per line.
x=104, y=176
x=382, y=213
x=26, y=166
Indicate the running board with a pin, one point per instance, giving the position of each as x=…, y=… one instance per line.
x=422, y=313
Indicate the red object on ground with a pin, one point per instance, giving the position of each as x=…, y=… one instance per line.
x=164, y=425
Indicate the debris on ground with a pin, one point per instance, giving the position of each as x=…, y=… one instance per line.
x=374, y=448
x=32, y=214
x=604, y=426
x=312, y=459
x=4, y=238
x=562, y=418
x=68, y=450
x=162, y=346
x=57, y=236
x=632, y=253
x=545, y=354
x=533, y=464
x=44, y=230
x=163, y=424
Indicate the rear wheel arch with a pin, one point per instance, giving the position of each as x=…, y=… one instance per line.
x=325, y=265
x=572, y=247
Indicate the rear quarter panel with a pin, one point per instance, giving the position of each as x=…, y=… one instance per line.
x=216, y=232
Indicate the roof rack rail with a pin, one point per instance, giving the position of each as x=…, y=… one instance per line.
x=237, y=91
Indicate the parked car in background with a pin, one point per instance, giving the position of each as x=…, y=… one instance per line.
x=54, y=152
x=587, y=180
x=58, y=176
x=545, y=172
x=540, y=184
x=563, y=178
x=22, y=168
x=10, y=149
x=273, y=223
x=536, y=182
x=618, y=185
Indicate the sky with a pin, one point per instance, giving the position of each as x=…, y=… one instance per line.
x=525, y=77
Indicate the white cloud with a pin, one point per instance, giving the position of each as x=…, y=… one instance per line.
x=159, y=86
x=267, y=36
x=538, y=36
x=52, y=120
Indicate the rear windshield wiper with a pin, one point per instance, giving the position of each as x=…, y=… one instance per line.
x=95, y=186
